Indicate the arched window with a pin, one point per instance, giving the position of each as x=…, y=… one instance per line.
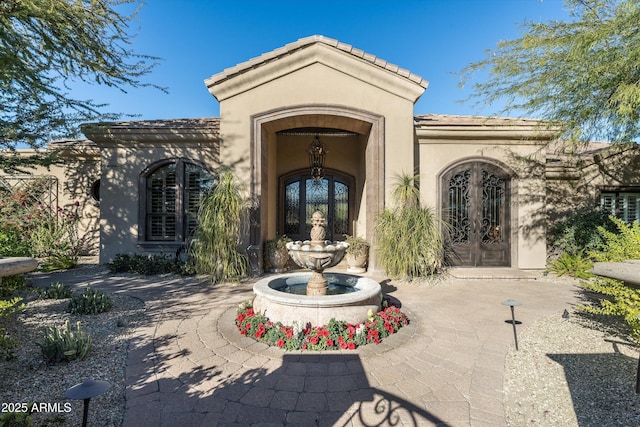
x=172, y=197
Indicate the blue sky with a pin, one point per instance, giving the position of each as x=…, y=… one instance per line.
x=197, y=38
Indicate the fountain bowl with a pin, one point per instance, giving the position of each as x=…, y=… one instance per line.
x=363, y=295
x=316, y=254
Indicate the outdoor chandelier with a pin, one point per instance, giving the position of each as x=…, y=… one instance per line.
x=317, y=152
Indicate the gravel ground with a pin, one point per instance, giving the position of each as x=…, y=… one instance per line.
x=571, y=372
x=27, y=379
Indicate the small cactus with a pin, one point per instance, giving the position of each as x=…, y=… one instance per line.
x=91, y=301
x=64, y=344
x=57, y=290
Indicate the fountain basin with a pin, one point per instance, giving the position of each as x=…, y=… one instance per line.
x=364, y=294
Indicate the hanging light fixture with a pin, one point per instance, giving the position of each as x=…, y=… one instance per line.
x=317, y=153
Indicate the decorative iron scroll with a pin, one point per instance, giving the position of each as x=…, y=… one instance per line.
x=459, y=205
x=493, y=192
x=292, y=209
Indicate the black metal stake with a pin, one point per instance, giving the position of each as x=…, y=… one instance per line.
x=512, y=303
x=85, y=413
x=513, y=322
x=638, y=377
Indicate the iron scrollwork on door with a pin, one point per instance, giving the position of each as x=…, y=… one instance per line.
x=459, y=199
x=493, y=190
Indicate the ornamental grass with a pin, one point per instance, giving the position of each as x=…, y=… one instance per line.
x=336, y=335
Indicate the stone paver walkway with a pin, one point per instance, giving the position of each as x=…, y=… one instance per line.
x=188, y=365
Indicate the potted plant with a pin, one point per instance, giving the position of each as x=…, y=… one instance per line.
x=276, y=254
x=357, y=254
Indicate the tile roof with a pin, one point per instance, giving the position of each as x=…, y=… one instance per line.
x=307, y=41
x=211, y=123
x=425, y=120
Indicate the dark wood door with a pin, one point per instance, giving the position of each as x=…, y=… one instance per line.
x=302, y=195
x=475, y=202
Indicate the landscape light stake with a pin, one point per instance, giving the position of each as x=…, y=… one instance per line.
x=85, y=391
x=512, y=303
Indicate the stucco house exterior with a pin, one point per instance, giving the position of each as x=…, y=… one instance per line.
x=495, y=180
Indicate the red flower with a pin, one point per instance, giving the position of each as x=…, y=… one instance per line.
x=351, y=346
x=313, y=340
x=329, y=343
x=280, y=343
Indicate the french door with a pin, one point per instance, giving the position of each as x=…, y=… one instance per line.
x=302, y=195
x=475, y=203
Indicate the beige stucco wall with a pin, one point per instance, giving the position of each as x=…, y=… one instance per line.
x=439, y=149
x=122, y=165
x=316, y=77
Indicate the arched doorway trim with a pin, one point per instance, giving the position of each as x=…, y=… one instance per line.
x=365, y=123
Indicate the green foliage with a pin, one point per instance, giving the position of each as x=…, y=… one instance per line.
x=57, y=290
x=581, y=74
x=580, y=232
x=573, y=265
x=622, y=301
x=65, y=344
x=279, y=242
x=409, y=236
x=621, y=246
x=45, y=43
x=217, y=250
x=7, y=345
x=10, y=306
x=11, y=284
x=357, y=245
x=335, y=335
x=16, y=419
x=33, y=228
x=148, y=265
x=91, y=301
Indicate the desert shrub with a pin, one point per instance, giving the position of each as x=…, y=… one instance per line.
x=11, y=284
x=409, y=236
x=56, y=290
x=580, y=232
x=30, y=227
x=620, y=300
x=91, y=301
x=65, y=344
x=216, y=249
x=148, y=265
x=16, y=419
x=620, y=245
x=7, y=345
x=576, y=265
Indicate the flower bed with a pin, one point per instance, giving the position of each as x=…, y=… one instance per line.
x=336, y=335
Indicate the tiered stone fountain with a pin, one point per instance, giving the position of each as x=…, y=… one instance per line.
x=317, y=297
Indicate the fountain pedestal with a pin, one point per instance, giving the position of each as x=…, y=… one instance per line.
x=316, y=308
x=317, y=254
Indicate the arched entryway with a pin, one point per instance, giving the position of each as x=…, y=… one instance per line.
x=476, y=204
x=355, y=159
x=301, y=195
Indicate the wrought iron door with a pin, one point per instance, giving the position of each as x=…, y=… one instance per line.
x=476, y=204
x=303, y=195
